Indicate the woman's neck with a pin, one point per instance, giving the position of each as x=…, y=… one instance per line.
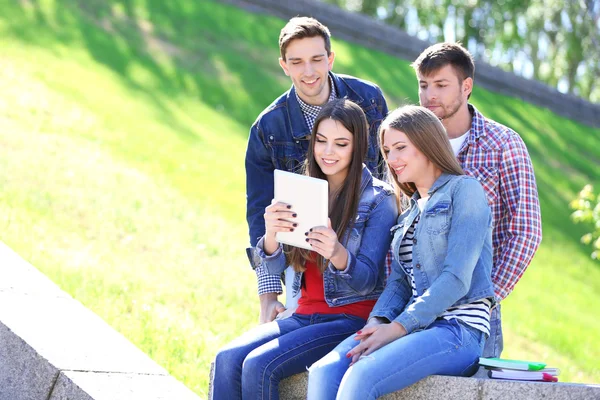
x=425, y=184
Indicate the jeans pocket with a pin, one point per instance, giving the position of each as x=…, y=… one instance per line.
x=355, y=318
x=457, y=331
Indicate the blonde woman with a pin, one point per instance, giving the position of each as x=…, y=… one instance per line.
x=433, y=316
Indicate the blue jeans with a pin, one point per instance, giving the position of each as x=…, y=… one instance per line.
x=252, y=365
x=495, y=343
x=444, y=348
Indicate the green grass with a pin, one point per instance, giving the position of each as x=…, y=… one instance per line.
x=123, y=127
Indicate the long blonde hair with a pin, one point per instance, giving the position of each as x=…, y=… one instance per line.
x=428, y=135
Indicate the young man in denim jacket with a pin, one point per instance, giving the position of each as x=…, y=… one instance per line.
x=493, y=154
x=279, y=137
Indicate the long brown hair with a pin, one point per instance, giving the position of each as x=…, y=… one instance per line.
x=344, y=206
x=427, y=134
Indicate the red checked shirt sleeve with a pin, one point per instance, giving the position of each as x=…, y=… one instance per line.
x=518, y=232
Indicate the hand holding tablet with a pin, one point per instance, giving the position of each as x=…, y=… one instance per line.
x=308, y=198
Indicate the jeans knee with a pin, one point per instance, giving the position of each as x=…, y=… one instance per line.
x=255, y=368
x=227, y=361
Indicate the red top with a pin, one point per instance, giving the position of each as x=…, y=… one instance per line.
x=312, y=300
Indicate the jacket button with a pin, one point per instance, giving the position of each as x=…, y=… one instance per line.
x=271, y=137
x=415, y=241
x=418, y=265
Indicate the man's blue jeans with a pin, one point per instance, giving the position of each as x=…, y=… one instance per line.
x=444, y=348
x=252, y=365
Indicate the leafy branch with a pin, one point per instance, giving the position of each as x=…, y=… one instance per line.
x=587, y=211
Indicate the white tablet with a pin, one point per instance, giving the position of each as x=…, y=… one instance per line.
x=308, y=198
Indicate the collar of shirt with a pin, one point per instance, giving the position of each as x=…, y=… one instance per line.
x=309, y=111
x=477, y=125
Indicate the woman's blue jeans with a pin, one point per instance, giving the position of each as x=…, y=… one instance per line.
x=444, y=348
x=252, y=365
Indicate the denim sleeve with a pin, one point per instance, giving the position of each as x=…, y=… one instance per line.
x=384, y=112
x=470, y=227
x=364, y=268
x=259, y=183
x=259, y=193
x=273, y=264
x=395, y=296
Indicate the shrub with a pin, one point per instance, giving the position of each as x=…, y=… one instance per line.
x=587, y=211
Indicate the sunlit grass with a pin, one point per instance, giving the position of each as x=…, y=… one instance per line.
x=123, y=128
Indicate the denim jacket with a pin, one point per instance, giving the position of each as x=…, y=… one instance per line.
x=279, y=140
x=366, y=241
x=452, y=254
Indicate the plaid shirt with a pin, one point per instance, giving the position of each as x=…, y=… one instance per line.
x=310, y=112
x=497, y=157
x=272, y=283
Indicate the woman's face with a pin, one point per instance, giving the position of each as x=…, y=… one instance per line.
x=409, y=164
x=333, y=149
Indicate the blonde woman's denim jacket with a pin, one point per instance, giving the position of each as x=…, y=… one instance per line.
x=452, y=254
x=368, y=241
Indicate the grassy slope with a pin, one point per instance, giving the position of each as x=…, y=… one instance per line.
x=122, y=131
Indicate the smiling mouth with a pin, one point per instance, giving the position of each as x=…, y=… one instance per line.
x=311, y=82
x=328, y=162
x=399, y=169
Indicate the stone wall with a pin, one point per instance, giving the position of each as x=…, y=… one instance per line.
x=52, y=347
x=371, y=33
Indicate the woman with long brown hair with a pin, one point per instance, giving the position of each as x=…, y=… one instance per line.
x=341, y=277
x=434, y=313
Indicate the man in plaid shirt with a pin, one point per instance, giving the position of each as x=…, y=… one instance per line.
x=496, y=156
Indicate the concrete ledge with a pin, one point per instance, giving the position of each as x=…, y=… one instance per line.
x=451, y=387
x=456, y=388
x=52, y=347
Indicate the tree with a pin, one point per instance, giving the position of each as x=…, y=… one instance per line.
x=554, y=41
x=587, y=211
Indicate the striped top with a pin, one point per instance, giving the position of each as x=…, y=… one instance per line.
x=475, y=314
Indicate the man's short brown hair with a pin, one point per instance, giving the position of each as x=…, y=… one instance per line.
x=441, y=54
x=300, y=28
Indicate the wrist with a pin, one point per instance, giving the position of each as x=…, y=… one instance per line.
x=339, y=258
x=267, y=299
x=270, y=244
x=399, y=329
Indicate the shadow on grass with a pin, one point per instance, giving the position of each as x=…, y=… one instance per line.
x=189, y=49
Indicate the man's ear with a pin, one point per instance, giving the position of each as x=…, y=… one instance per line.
x=284, y=66
x=330, y=60
x=467, y=86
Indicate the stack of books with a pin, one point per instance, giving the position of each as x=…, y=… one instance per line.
x=499, y=368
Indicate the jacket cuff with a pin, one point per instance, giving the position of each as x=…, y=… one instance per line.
x=409, y=322
x=346, y=273
x=260, y=250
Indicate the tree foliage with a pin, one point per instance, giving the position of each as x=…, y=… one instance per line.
x=587, y=211
x=554, y=41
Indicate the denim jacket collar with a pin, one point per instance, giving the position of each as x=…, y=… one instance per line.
x=439, y=182
x=297, y=121
x=366, y=179
x=299, y=127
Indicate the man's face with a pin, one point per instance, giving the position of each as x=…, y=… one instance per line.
x=307, y=64
x=444, y=92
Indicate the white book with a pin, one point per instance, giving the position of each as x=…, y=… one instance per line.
x=309, y=198
x=546, y=374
